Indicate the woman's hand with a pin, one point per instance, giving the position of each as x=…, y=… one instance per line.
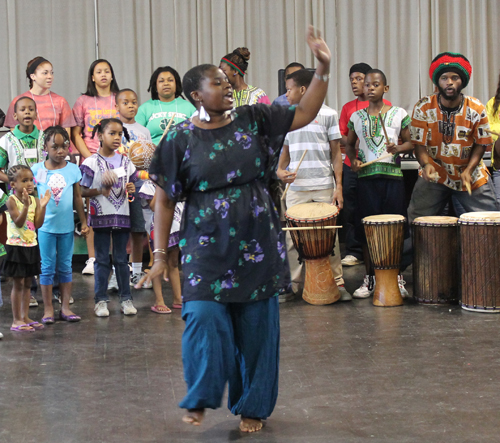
x=158, y=268
x=318, y=46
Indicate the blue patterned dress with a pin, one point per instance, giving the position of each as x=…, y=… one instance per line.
x=233, y=249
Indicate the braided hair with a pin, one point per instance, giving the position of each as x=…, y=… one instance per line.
x=101, y=126
x=52, y=131
x=14, y=170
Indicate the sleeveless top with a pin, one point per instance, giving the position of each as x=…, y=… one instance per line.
x=25, y=235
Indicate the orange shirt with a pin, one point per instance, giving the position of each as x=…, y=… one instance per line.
x=450, y=155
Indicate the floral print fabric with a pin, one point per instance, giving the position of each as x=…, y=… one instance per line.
x=232, y=245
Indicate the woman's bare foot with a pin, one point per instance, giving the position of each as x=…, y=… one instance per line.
x=250, y=424
x=194, y=416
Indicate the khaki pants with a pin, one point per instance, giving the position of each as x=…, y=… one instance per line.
x=297, y=270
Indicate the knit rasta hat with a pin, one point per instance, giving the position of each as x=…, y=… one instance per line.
x=450, y=62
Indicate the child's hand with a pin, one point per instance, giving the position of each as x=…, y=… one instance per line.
x=45, y=199
x=356, y=165
x=25, y=198
x=109, y=178
x=105, y=190
x=392, y=148
x=130, y=187
x=85, y=230
x=286, y=176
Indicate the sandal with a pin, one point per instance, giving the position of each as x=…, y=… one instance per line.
x=22, y=328
x=157, y=309
x=48, y=320
x=71, y=318
x=36, y=325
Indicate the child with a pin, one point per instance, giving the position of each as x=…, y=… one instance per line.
x=107, y=180
x=62, y=179
x=3, y=208
x=380, y=185
x=126, y=105
x=26, y=214
x=147, y=192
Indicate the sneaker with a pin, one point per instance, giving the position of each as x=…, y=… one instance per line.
x=135, y=279
x=344, y=295
x=366, y=289
x=128, y=307
x=101, y=309
x=89, y=267
x=33, y=301
x=1, y=335
x=402, y=289
x=113, y=283
x=287, y=296
x=350, y=260
x=57, y=297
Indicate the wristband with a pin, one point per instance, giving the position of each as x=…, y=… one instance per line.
x=323, y=78
x=161, y=250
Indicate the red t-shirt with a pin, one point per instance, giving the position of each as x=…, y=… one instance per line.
x=345, y=115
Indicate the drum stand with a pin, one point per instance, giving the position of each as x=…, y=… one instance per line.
x=387, y=292
x=319, y=283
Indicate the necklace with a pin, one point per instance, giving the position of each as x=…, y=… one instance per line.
x=447, y=124
x=102, y=111
x=38, y=115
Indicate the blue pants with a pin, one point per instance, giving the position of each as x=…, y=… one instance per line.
x=236, y=343
x=350, y=190
x=102, y=267
x=56, y=251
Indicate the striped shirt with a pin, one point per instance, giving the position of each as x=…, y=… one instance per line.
x=316, y=171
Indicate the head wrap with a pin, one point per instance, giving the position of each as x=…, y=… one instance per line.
x=237, y=61
x=36, y=64
x=360, y=67
x=450, y=62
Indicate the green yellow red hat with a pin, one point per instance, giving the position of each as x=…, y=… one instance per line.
x=450, y=62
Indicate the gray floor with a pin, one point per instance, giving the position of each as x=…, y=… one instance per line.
x=349, y=373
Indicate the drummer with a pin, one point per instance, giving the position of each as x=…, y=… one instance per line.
x=315, y=181
x=448, y=132
x=380, y=185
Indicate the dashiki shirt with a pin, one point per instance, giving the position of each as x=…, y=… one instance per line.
x=250, y=96
x=449, y=138
x=372, y=141
x=233, y=249
x=112, y=211
x=17, y=148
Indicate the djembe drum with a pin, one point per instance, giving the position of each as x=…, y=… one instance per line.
x=479, y=233
x=314, y=241
x=385, y=235
x=141, y=153
x=435, y=260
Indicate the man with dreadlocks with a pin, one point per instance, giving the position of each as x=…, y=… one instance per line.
x=448, y=130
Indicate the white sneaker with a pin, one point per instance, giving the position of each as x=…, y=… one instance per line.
x=402, y=289
x=33, y=301
x=366, y=289
x=1, y=335
x=113, y=283
x=58, y=298
x=128, y=307
x=89, y=267
x=135, y=279
x=350, y=260
x=101, y=309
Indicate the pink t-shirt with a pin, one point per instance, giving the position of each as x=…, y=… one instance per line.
x=88, y=111
x=52, y=110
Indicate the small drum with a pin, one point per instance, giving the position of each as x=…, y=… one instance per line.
x=479, y=234
x=435, y=260
x=385, y=236
x=315, y=244
x=141, y=154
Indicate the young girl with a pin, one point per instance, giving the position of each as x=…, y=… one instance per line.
x=3, y=208
x=62, y=179
x=25, y=214
x=147, y=192
x=107, y=180
x=96, y=103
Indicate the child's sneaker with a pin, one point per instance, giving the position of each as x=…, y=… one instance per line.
x=135, y=279
x=128, y=307
x=113, y=283
x=366, y=289
x=101, y=309
x=402, y=289
x=57, y=297
x=89, y=267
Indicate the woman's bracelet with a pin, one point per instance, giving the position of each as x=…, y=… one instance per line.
x=323, y=78
x=160, y=250
x=159, y=259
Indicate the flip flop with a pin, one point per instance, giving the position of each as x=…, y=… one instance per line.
x=158, y=311
x=71, y=318
x=177, y=306
x=22, y=328
x=48, y=320
x=36, y=325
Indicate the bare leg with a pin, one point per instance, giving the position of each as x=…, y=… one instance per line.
x=174, y=276
x=136, y=246
x=65, y=296
x=16, y=299
x=151, y=258
x=90, y=243
x=250, y=424
x=26, y=299
x=48, y=308
x=194, y=416
x=159, y=301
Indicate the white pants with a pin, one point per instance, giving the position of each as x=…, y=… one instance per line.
x=297, y=269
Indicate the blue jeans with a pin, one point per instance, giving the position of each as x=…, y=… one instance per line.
x=236, y=343
x=102, y=266
x=56, y=251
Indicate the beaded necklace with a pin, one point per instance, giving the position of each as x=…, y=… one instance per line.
x=447, y=124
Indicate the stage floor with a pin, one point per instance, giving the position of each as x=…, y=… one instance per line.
x=349, y=373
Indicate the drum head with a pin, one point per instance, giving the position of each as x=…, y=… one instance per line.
x=311, y=211
x=491, y=216
x=435, y=220
x=384, y=218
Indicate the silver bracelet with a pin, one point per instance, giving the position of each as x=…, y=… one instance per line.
x=323, y=78
x=159, y=259
x=161, y=250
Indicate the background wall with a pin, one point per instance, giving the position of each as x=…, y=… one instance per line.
x=398, y=36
